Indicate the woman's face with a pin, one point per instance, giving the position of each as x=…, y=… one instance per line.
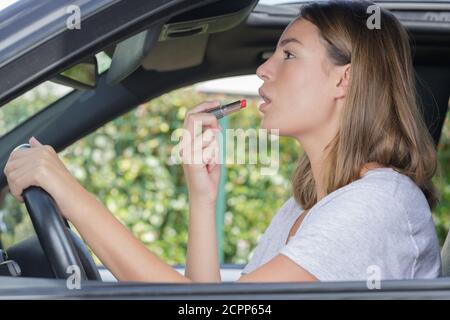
x=299, y=84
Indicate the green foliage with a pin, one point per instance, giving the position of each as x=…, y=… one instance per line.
x=126, y=163
x=441, y=213
x=21, y=108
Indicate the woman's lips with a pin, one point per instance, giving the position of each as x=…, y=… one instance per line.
x=264, y=104
x=265, y=100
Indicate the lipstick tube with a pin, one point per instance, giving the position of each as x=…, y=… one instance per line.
x=227, y=109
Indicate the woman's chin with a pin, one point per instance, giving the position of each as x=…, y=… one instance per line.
x=270, y=127
x=264, y=124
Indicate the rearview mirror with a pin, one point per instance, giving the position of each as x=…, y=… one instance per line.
x=82, y=76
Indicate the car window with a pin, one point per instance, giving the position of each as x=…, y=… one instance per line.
x=127, y=165
x=104, y=62
x=441, y=213
x=15, y=224
x=18, y=110
x=28, y=104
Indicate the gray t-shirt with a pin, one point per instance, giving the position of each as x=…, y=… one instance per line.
x=379, y=225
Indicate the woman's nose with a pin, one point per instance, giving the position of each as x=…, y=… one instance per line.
x=262, y=71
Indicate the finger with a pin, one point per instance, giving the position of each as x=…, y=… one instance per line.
x=199, y=142
x=21, y=184
x=20, y=153
x=214, y=166
x=204, y=140
x=211, y=153
x=35, y=142
x=196, y=123
x=15, y=164
x=19, y=181
x=210, y=167
x=208, y=137
x=214, y=170
x=204, y=106
x=27, y=169
x=216, y=152
x=193, y=150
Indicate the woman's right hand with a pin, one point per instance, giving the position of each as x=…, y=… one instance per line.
x=199, y=152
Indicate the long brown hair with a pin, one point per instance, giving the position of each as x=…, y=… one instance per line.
x=381, y=120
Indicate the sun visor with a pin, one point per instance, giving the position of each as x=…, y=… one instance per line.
x=183, y=40
x=192, y=54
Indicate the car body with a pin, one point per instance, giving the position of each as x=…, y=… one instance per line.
x=221, y=38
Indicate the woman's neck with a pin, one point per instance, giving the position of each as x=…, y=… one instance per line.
x=317, y=168
x=316, y=160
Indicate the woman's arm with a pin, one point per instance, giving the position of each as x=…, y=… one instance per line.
x=124, y=255
x=117, y=248
x=202, y=259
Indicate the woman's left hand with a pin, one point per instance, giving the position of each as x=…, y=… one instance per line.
x=37, y=166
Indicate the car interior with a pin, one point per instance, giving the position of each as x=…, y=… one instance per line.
x=212, y=40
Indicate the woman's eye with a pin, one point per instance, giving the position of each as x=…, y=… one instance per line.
x=288, y=55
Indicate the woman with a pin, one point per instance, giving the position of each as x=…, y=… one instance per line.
x=362, y=192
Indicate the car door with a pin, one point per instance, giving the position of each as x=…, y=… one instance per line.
x=65, y=122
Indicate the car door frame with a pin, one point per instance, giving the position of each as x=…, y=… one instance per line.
x=31, y=288
x=15, y=287
x=110, y=24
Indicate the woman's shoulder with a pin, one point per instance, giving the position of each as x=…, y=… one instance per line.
x=383, y=191
x=288, y=208
x=396, y=187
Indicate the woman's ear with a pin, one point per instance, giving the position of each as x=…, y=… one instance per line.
x=343, y=81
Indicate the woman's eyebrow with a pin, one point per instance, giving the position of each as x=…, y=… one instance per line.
x=283, y=42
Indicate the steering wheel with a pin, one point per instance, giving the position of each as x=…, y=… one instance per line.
x=63, y=249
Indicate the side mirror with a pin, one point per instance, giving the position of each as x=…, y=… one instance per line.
x=82, y=76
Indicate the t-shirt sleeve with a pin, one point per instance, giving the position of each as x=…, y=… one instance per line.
x=258, y=255
x=349, y=235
